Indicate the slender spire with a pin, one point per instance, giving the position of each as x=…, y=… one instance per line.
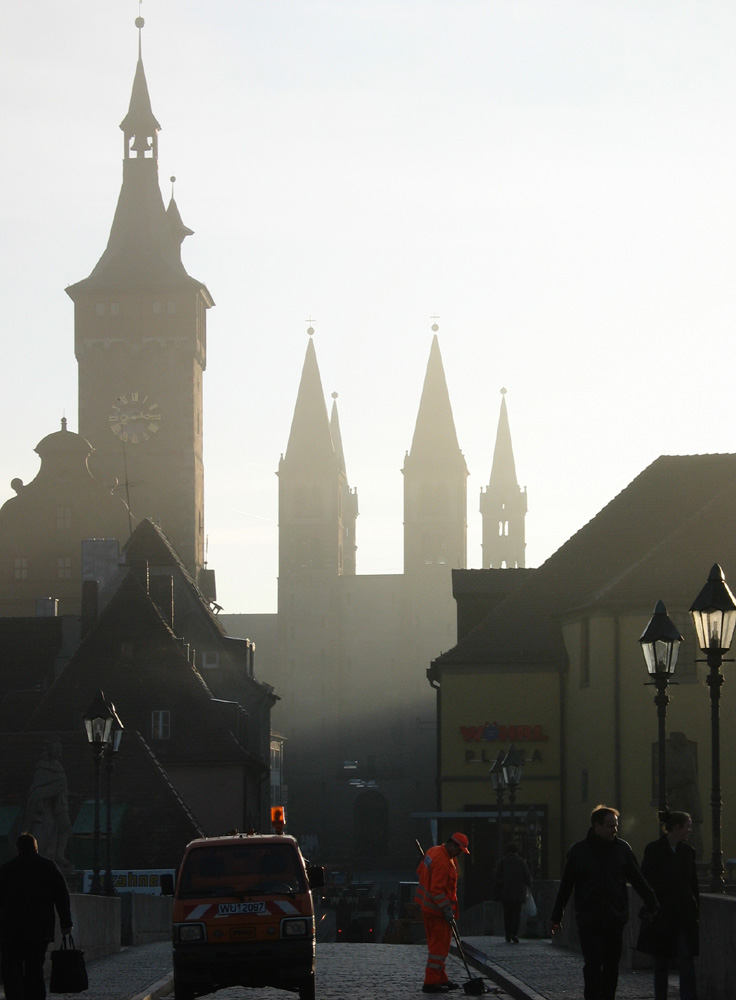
x=503, y=504
x=503, y=470
x=435, y=479
x=144, y=247
x=310, y=439
x=337, y=435
x=435, y=437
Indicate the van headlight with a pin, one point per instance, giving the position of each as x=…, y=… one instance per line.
x=190, y=932
x=297, y=927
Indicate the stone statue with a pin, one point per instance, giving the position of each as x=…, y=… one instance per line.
x=683, y=792
x=47, y=810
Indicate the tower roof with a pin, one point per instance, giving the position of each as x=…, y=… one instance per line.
x=310, y=440
x=144, y=246
x=336, y=435
x=503, y=470
x=435, y=438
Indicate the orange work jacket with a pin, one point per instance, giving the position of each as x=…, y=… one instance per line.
x=437, y=873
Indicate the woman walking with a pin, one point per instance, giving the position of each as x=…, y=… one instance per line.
x=512, y=876
x=669, y=867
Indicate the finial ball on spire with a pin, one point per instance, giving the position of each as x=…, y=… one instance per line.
x=310, y=331
x=334, y=395
x=139, y=22
x=172, y=179
x=503, y=391
x=435, y=328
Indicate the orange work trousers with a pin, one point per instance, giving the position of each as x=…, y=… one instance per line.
x=439, y=935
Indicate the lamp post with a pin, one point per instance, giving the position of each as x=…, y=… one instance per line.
x=98, y=721
x=660, y=644
x=111, y=750
x=498, y=779
x=714, y=617
x=512, y=765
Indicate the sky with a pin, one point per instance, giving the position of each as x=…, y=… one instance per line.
x=553, y=181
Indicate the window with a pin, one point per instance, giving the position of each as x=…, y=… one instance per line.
x=161, y=725
x=156, y=308
x=100, y=309
x=114, y=308
x=171, y=308
x=63, y=517
x=20, y=568
x=210, y=659
x=64, y=567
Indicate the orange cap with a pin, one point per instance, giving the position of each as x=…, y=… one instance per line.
x=461, y=840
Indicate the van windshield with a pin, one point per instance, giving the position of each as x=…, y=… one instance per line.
x=243, y=869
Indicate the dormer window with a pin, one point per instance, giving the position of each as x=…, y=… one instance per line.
x=161, y=725
x=210, y=659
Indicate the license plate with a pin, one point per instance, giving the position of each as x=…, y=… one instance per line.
x=232, y=909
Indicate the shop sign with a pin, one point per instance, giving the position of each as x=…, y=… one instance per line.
x=493, y=733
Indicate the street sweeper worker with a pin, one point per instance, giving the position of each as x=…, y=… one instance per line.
x=437, y=896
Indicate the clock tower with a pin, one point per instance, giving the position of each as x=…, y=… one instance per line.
x=140, y=343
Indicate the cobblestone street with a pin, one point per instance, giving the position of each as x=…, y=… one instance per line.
x=363, y=971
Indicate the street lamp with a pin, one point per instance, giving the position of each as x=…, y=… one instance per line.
x=513, y=762
x=100, y=720
x=498, y=779
x=111, y=750
x=660, y=644
x=714, y=617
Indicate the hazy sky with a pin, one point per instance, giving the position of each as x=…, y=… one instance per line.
x=555, y=180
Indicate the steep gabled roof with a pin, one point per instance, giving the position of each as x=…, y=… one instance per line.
x=685, y=500
x=133, y=656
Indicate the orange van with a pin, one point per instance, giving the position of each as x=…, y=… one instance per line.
x=244, y=916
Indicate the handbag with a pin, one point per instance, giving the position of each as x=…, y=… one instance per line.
x=68, y=971
x=530, y=907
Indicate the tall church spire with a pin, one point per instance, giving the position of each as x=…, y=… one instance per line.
x=503, y=504
x=140, y=337
x=317, y=509
x=435, y=474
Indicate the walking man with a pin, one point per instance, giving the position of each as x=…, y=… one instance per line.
x=31, y=886
x=437, y=896
x=598, y=869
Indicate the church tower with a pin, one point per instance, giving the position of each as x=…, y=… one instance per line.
x=317, y=508
x=140, y=343
x=435, y=480
x=503, y=505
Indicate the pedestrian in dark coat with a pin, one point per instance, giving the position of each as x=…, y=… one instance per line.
x=673, y=934
x=513, y=878
x=598, y=869
x=31, y=886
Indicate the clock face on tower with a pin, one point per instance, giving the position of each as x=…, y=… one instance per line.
x=134, y=418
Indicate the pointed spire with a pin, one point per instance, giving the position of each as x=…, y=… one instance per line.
x=435, y=480
x=503, y=471
x=140, y=126
x=144, y=247
x=310, y=440
x=503, y=504
x=435, y=436
x=337, y=435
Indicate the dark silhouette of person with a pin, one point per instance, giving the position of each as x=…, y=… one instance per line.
x=31, y=886
x=669, y=865
x=515, y=878
x=598, y=869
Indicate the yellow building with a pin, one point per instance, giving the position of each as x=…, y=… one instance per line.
x=549, y=660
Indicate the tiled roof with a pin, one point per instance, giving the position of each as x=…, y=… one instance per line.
x=670, y=523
